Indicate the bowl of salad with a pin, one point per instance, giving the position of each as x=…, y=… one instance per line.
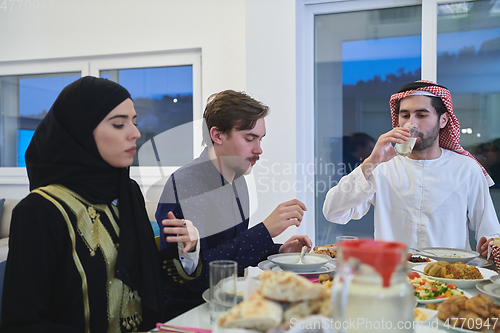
x=428, y=290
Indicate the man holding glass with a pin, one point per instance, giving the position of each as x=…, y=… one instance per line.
x=211, y=191
x=432, y=196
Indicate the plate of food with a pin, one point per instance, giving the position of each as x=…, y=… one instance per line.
x=414, y=260
x=449, y=254
x=428, y=290
x=328, y=268
x=330, y=250
x=463, y=276
x=471, y=320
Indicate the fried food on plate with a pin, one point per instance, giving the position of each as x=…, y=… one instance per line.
x=458, y=270
x=476, y=313
x=329, y=250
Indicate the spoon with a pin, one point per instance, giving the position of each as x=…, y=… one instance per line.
x=302, y=252
x=424, y=252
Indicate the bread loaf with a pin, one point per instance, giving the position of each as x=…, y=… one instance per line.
x=255, y=313
x=303, y=309
x=286, y=286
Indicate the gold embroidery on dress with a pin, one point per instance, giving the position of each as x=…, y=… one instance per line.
x=76, y=259
x=131, y=315
x=124, y=305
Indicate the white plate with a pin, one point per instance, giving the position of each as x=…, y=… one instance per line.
x=460, y=283
x=240, y=285
x=495, y=279
x=329, y=267
x=489, y=288
x=450, y=255
x=206, y=295
x=289, y=261
x=439, y=300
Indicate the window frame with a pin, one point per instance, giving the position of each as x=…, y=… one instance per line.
x=91, y=65
x=150, y=175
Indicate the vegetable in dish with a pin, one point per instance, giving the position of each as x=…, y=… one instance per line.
x=428, y=289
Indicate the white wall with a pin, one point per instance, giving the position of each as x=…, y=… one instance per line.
x=270, y=71
x=245, y=45
x=72, y=28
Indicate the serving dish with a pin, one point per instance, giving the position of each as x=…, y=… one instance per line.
x=289, y=261
x=460, y=283
x=450, y=255
x=328, y=268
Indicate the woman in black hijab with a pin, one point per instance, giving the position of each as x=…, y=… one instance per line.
x=82, y=256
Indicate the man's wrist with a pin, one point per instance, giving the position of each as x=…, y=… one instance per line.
x=367, y=167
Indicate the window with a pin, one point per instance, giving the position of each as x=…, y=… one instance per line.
x=165, y=87
x=25, y=101
x=468, y=63
x=363, y=52
x=361, y=58
x=163, y=100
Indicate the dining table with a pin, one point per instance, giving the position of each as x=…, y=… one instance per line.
x=199, y=317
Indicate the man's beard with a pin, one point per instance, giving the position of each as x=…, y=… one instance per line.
x=427, y=140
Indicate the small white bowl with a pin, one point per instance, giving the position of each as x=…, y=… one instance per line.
x=289, y=261
x=410, y=265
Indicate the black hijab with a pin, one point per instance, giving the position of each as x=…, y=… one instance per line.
x=63, y=151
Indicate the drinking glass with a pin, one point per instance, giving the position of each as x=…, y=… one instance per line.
x=345, y=238
x=405, y=148
x=223, y=292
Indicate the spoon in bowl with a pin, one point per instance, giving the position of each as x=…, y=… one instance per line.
x=302, y=252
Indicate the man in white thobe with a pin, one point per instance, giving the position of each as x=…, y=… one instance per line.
x=432, y=197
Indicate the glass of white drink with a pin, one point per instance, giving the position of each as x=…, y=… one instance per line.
x=405, y=148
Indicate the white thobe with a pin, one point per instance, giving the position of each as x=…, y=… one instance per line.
x=423, y=203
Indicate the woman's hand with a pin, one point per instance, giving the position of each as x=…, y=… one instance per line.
x=185, y=231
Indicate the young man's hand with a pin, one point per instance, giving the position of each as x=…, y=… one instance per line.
x=295, y=244
x=286, y=214
x=185, y=230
